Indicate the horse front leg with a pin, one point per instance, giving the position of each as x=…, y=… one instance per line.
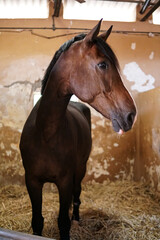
x=76, y=202
x=34, y=188
x=65, y=196
x=77, y=191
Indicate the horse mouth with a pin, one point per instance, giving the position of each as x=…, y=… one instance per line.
x=117, y=127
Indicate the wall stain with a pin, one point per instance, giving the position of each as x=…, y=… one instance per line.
x=34, y=86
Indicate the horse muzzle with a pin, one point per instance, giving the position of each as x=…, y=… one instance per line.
x=123, y=123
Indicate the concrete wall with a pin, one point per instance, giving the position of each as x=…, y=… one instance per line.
x=24, y=57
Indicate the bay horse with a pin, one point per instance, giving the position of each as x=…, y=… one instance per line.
x=56, y=138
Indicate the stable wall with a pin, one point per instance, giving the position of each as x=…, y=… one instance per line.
x=24, y=58
x=147, y=163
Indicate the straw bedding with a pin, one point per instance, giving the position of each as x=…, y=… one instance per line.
x=112, y=210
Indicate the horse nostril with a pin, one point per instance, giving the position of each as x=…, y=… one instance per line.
x=130, y=118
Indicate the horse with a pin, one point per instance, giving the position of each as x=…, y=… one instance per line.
x=56, y=139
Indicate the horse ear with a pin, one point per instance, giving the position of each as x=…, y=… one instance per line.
x=93, y=33
x=106, y=34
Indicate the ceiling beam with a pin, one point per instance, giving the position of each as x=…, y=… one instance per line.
x=145, y=6
x=151, y=11
x=57, y=6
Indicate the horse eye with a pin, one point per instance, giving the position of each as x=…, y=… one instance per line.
x=103, y=65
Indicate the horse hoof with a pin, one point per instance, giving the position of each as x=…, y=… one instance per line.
x=37, y=234
x=75, y=223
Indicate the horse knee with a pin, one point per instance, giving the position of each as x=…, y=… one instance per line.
x=37, y=225
x=75, y=215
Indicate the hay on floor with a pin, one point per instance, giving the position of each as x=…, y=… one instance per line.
x=112, y=210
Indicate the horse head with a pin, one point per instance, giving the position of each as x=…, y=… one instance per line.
x=94, y=77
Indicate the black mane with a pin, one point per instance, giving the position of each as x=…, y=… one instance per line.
x=102, y=45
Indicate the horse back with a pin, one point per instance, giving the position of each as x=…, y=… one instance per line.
x=80, y=127
x=83, y=109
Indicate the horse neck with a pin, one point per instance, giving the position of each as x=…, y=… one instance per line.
x=52, y=109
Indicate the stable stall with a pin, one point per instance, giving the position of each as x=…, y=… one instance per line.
x=121, y=189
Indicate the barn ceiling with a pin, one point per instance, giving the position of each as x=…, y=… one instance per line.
x=145, y=16
x=109, y=10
